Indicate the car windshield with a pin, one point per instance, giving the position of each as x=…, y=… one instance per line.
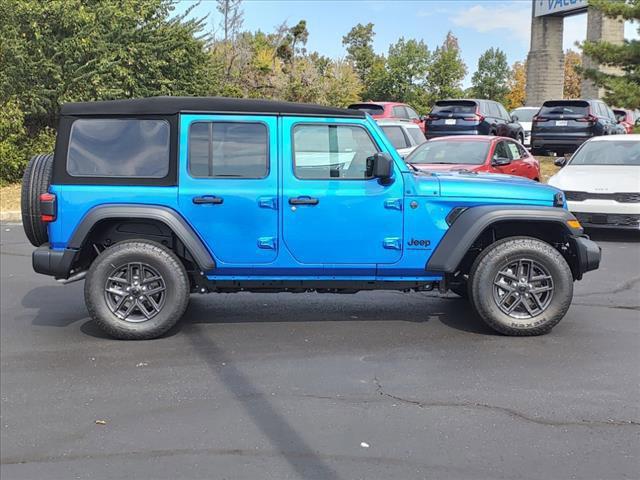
x=615, y=152
x=369, y=108
x=450, y=152
x=454, y=107
x=525, y=114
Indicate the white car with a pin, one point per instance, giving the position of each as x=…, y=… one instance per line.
x=524, y=116
x=601, y=182
x=404, y=136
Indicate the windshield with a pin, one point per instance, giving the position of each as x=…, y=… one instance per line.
x=525, y=114
x=616, y=152
x=369, y=108
x=450, y=152
x=460, y=106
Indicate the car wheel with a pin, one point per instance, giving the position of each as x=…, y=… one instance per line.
x=521, y=286
x=136, y=290
x=35, y=181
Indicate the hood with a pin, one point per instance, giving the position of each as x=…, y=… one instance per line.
x=598, y=178
x=487, y=187
x=449, y=167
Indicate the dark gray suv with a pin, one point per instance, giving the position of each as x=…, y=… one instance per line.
x=471, y=117
x=561, y=126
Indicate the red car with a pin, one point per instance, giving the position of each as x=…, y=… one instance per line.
x=379, y=110
x=625, y=118
x=476, y=153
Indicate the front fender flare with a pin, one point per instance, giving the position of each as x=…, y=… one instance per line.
x=470, y=224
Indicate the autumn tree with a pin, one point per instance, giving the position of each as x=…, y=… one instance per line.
x=572, y=77
x=446, y=71
x=490, y=79
x=620, y=90
x=517, y=83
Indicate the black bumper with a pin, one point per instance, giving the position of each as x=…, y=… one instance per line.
x=53, y=262
x=588, y=253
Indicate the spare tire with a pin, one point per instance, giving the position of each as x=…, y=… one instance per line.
x=35, y=181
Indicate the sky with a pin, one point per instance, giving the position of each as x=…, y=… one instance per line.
x=479, y=25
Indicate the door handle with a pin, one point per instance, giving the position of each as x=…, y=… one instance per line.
x=303, y=200
x=208, y=199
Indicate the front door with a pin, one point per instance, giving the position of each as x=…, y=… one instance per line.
x=229, y=185
x=334, y=212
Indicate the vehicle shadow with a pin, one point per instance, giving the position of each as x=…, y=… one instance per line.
x=606, y=235
x=51, y=310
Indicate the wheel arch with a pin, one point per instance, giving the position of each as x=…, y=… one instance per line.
x=152, y=222
x=478, y=227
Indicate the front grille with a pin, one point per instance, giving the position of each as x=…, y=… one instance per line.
x=618, y=197
x=622, y=220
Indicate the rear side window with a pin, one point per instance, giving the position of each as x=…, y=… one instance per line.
x=460, y=106
x=131, y=148
x=369, y=108
x=332, y=152
x=396, y=136
x=228, y=150
x=565, y=107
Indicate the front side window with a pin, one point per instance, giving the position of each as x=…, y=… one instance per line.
x=228, y=150
x=503, y=151
x=395, y=136
x=130, y=148
x=412, y=114
x=332, y=152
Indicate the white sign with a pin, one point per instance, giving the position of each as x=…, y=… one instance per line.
x=557, y=7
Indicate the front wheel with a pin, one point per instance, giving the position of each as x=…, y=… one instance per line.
x=521, y=286
x=136, y=290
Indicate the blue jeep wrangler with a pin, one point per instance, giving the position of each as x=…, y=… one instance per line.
x=151, y=200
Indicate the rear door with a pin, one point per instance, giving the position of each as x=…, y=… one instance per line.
x=334, y=213
x=453, y=117
x=228, y=185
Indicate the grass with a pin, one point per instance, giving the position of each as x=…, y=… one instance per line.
x=10, y=198
x=547, y=168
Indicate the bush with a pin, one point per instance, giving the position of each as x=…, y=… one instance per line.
x=16, y=146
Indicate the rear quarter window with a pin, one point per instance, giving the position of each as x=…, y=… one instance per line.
x=130, y=148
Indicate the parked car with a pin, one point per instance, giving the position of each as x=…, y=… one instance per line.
x=625, y=118
x=524, y=116
x=561, y=126
x=394, y=110
x=404, y=136
x=149, y=200
x=481, y=153
x=471, y=117
x=602, y=182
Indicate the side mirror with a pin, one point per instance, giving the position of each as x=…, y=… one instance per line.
x=514, y=118
x=380, y=166
x=500, y=161
x=560, y=162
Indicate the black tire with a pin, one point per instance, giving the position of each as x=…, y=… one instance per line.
x=35, y=181
x=153, y=257
x=486, y=293
x=459, y=285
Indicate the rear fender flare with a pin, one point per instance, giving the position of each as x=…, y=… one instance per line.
x=166, y=215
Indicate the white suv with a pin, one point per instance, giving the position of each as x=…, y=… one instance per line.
x=404, y=136
x=601, y=182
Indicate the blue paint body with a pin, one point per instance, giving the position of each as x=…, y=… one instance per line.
x=360, y=229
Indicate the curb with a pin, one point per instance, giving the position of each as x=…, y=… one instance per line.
x=11, y=216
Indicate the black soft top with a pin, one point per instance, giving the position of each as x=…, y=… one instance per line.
x=173, y=105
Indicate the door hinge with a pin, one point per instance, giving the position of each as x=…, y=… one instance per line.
x=392, y=243
x=393, y=203
x=267, y=243
x=268, y=202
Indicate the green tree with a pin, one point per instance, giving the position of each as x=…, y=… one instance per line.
x=407, y=66
x=446, y=71
x=620, y=90
x=359, y=44
x=490, y=81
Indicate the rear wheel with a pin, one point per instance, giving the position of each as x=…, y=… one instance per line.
x=136, y=290
x=521, y=286
x=35, y=181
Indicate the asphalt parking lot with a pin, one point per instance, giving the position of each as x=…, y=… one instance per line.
x=274, y=386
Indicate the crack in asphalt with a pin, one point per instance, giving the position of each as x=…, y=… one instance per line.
x=623, y=307
x=509, y=411
x=626, y=285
